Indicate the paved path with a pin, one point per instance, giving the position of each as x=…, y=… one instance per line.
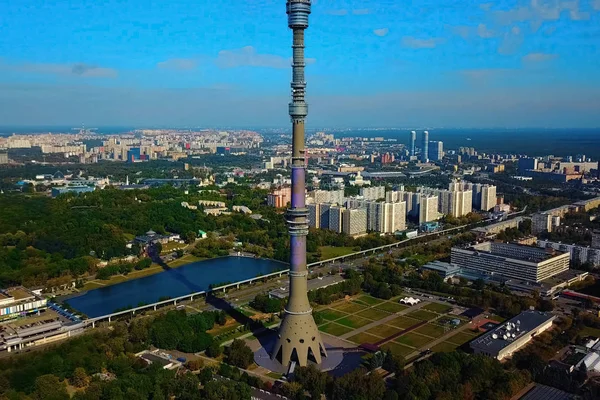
x=383, y=320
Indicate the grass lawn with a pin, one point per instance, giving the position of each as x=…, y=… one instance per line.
x=461, y=338
x=374, y=314
x=443, y=347
x=186, y=259
x=334, y=329
x=349, y=307
x=370, y=300
x=437, y=307
x=414, y=340
x=403, y=322
x=354, y=321
x=391, y=307
x=364, y=338
x=274, y=375
x=587, y=331
x=328, y=252
x=496, y=318
x=384, y=331
x=430, y=330
x=332, y=315
x=398, y=349
x=91, y=286
x=423, y=315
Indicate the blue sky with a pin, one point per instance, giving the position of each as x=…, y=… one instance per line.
x=410, y=63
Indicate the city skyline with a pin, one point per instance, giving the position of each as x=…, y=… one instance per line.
x=524, y=63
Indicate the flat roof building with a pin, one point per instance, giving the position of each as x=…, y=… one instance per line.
x=511, y=260
x=509, y=337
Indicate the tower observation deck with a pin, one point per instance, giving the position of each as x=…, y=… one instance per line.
x=298, y=339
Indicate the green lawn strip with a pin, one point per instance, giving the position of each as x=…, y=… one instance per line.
x=438, y=308
x=423, y=315
x=443, y=347
x=274, y=375
x=331, y=315
x=370, y=300
x=496, y=318
x=460, y=338
x=334, y=329
x=587, y=331
x=328, y=252
x=431, y=330
x=413, y=339
x=364, y=338
x=384, y=330
x=398, y=349
x=349, y=307
x=374, y=314
x=403, y=322
x=391, y=307
x=353, y=321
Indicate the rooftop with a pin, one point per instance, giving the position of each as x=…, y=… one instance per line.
x=515, y=251
x=495, y=340
x=543, y=392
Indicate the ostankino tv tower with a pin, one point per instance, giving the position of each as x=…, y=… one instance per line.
x=299, y=339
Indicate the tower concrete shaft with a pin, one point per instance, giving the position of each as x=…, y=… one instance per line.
x=299, y=339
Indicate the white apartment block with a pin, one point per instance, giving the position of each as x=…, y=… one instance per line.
x=373, y=192
x=354, y=221
x=579, y=254
x=544, y=222
x=428, y=208
x=328, y=196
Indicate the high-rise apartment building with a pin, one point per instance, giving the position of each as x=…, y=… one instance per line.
x=279, y=197
x=328, y=196
x=314, y=215
x=335, y=218
x=428, y=208
x=488, y=197
x=324, y=215
x=544, y=222
x=394, y=217
x=596, y=239
x=373, y=192
x=3, y=158
x=354, y=221
x=436, y=150
x=425, y=147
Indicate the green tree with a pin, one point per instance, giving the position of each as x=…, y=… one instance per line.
x=49, y=387
x=239, y=354
x=312, y=379
x=80, y=378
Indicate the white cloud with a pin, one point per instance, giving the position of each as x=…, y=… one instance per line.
x=486, y=6
x=77, y=69
x=361, y=11
x=539, y=11
x=596, y=5
x=461, y=30
x=381, y=32
x=339, y=12
x=249, y=57
x=416, y=43
x=179, y=64
x=484, y=32
x=539, y=57
x=511, y=42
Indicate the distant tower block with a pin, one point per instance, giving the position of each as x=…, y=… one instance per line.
x=425, y=147
x=412, y=143
x=299, y=339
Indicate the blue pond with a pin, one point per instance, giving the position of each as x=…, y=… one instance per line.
x=187, y=279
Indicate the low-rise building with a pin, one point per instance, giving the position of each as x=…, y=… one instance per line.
x=511, y=261
x=18, y=301
x=507, y=338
